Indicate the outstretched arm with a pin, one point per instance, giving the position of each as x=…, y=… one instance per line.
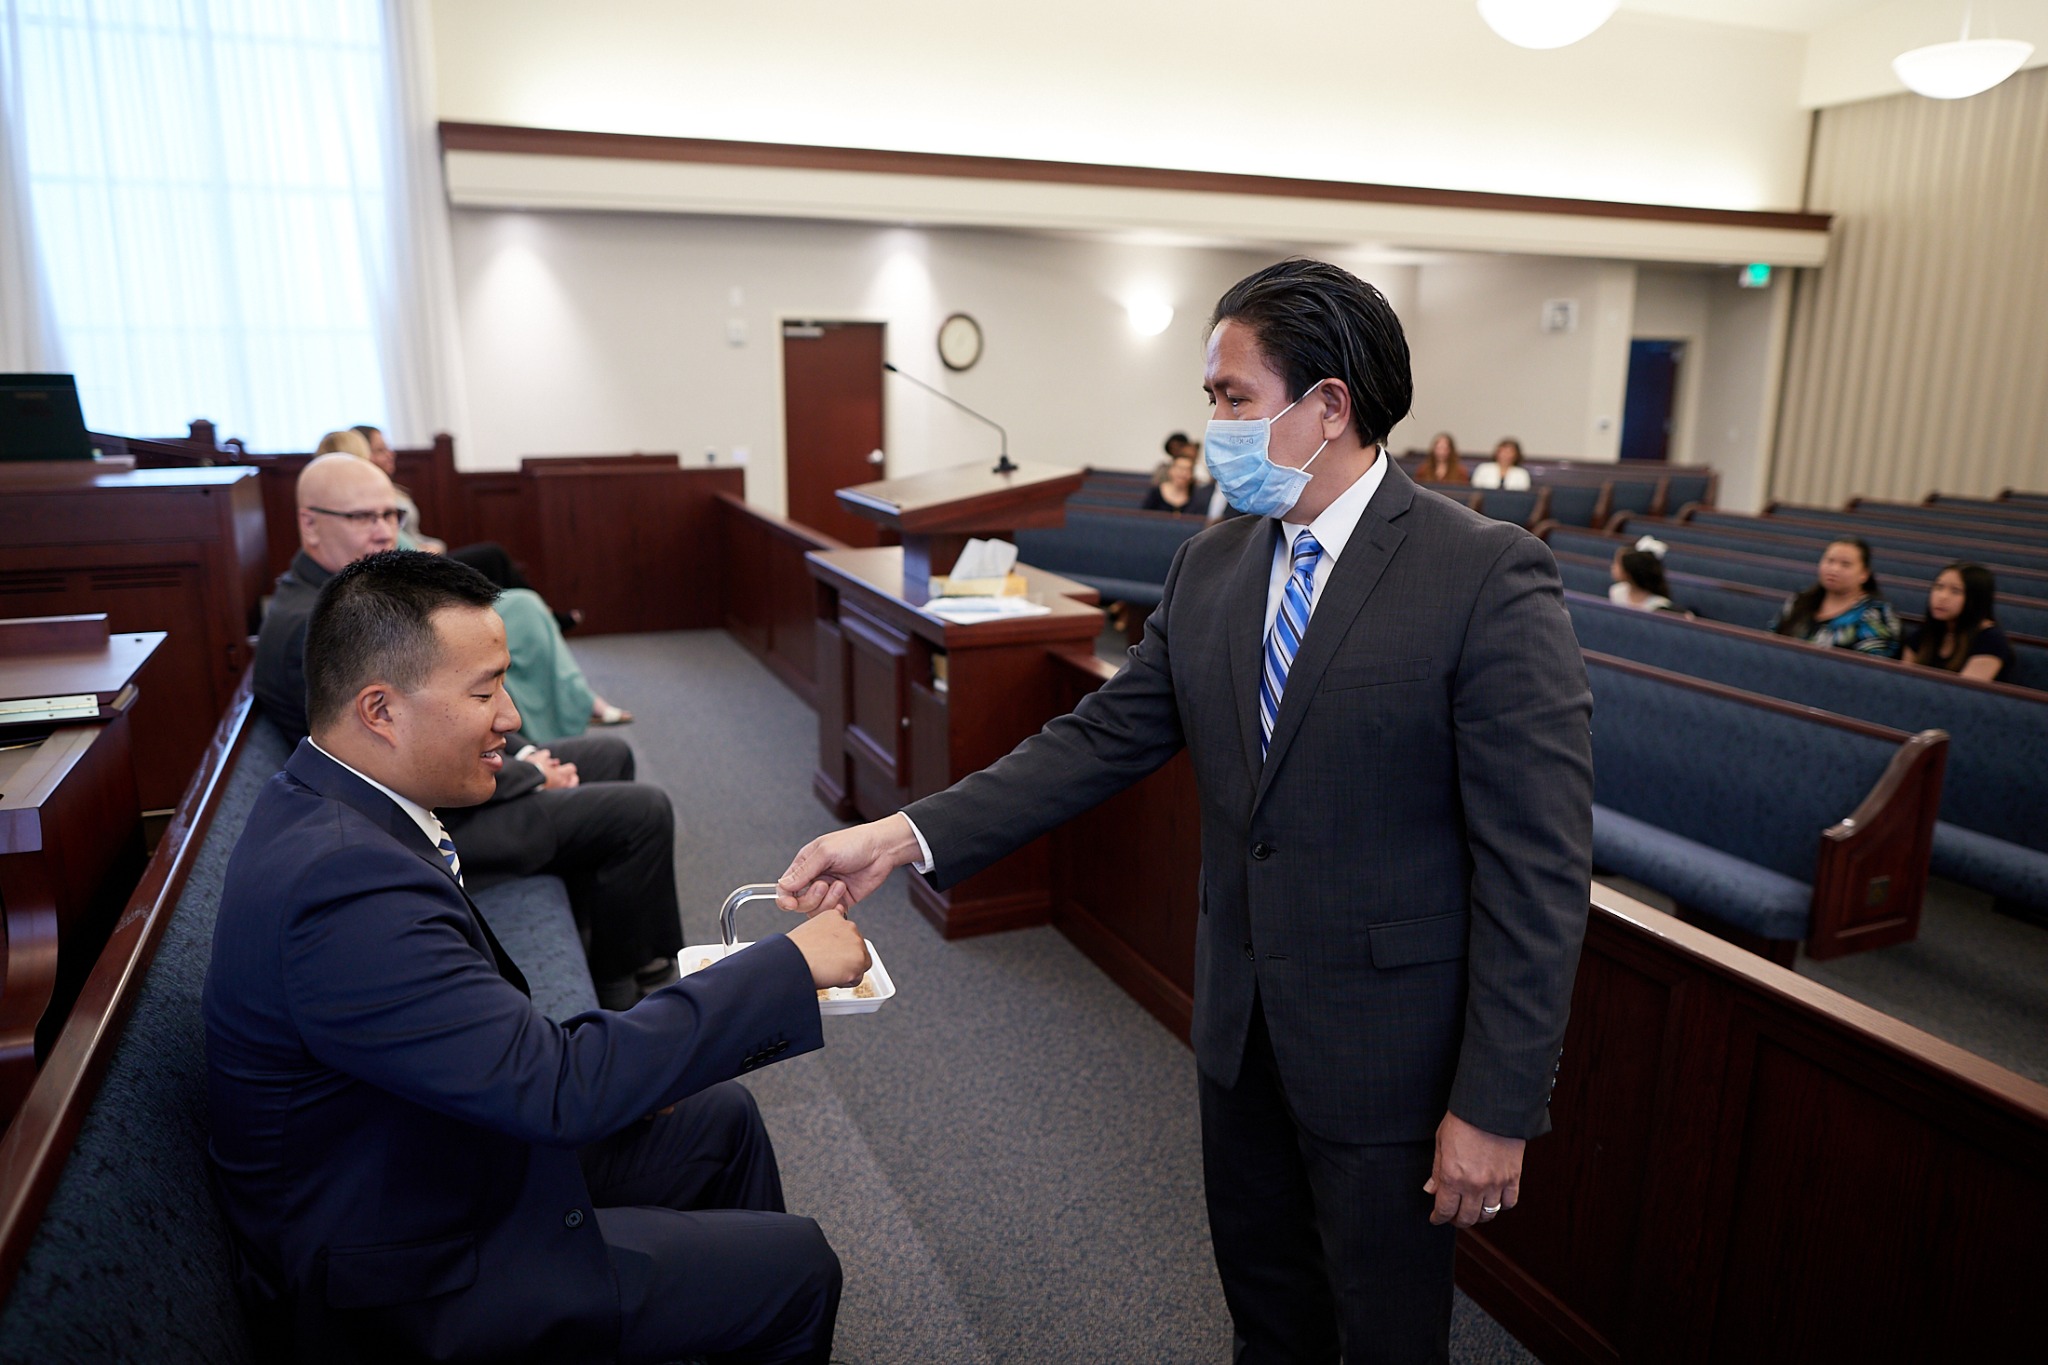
x=1118, y=734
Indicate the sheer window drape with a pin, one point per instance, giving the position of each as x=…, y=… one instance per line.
x=224, y=194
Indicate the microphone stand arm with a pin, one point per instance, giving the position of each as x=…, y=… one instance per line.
x=1003, y=465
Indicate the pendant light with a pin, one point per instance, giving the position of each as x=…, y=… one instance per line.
x=1545, y=23
x=1958, y=70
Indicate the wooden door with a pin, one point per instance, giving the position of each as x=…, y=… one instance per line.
x=831, y=422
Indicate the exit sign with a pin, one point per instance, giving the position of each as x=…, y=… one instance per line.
x=1757, y=276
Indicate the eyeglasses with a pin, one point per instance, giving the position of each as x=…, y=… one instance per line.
x=363, y=521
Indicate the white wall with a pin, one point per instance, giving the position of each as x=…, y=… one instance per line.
x=1484, y=368
x=1736, y=404
x=1650, y=108
x=601, y=332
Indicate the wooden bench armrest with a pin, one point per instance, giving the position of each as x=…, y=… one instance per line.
x=1871, y=878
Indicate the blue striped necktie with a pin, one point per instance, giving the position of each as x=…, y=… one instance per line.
x=1290, y=623
x=447, y=847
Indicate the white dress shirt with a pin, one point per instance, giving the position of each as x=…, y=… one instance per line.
x=429, y=823
x=1332, y=531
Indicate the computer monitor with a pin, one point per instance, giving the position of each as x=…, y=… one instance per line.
x=40, y=418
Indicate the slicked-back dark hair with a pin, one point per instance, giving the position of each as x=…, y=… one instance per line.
x=1316, y=321
x=374, y=623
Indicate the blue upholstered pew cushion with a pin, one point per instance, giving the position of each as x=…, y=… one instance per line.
x=1123, y=557
x=1729, y=888
x=1573, y=504
x=532, y=920
x=130, y=1261
x=1997, y=779
x=2006, y=870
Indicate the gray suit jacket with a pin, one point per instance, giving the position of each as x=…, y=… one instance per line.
x=1402, y=883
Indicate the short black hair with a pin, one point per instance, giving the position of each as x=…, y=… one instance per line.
x=366, y=431
x=1176, y=443
x=1316, y=321
x=374, y=622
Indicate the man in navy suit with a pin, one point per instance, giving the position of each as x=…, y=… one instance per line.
x=414, y=1161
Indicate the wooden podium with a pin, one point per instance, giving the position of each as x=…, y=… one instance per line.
x=909, y=703
x=938, y=512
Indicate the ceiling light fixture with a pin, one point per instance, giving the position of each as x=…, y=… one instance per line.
x=1544, y=24
x=1149, y=316
x=1958, y=70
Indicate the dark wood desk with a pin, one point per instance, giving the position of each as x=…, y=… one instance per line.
x=70, y=852
x=909, y=704
x=176, y=550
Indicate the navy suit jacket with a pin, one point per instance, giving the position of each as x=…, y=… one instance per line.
x=394, y=1126
x=1401, y=882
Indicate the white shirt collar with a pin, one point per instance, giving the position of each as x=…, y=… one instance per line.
x=1334, y=526
x=429, y=823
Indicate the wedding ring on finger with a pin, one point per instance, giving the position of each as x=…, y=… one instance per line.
x=1488, y=1210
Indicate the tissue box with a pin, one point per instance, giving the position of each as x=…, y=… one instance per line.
x=1012, y=586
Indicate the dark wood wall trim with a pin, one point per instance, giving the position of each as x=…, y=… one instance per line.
x=494, y=137
x=38, y=1142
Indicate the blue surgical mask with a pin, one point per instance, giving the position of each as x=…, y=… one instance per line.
x=1241, y=463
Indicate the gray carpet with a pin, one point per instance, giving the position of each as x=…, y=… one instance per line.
x=1974, y=977
x=1005, y=1156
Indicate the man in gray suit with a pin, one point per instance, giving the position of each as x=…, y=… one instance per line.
x=1389, y=722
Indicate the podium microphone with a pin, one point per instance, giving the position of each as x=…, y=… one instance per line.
x=1004, y=465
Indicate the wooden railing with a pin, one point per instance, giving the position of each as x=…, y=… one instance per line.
x=631, y=540
x=37, y=1143
x=768, y=597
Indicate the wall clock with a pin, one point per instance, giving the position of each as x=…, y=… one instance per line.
x=959, y=342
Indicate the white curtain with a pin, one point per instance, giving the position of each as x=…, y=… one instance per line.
x=422, y=348
x=28, y=329
x=227, y=195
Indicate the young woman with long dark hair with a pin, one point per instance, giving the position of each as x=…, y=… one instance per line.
x=1960, y=633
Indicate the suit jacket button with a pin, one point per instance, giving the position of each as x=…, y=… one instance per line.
x=1249, y=955
x=1262, y=851
x=573, y=1218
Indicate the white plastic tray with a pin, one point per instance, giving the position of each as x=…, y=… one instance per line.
x=838, y=1000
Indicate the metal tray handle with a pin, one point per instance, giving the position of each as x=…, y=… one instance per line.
x=757, y=891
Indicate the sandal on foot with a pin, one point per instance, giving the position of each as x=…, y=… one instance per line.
x=604, y=713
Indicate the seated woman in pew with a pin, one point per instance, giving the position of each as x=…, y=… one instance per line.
x=1504, y=470
x=487, y=557
x=1959, y=634
x=1442, y=464
x=1639, y=580
x=1844, y=609
x=1176, y=491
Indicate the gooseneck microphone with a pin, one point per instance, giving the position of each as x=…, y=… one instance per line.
x=1004, y=465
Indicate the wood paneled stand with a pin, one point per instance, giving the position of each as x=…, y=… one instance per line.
x=176, y=550
x=909, y=704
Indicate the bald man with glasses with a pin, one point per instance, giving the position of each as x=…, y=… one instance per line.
x=570, y=809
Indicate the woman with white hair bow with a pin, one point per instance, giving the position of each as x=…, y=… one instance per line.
x=1639, y=577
